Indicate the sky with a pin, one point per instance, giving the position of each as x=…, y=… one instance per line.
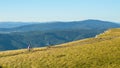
x=59, y=10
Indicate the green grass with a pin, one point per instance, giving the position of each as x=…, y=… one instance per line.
x=100, y=52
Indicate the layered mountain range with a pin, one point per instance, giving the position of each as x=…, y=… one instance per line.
x=18, y=35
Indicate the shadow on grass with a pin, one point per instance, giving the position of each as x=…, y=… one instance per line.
x=0, y=66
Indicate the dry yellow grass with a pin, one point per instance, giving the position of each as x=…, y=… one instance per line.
x=100, y=52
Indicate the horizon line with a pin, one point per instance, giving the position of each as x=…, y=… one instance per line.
x=55, y=21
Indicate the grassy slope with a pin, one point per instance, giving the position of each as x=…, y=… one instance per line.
x=100, y=52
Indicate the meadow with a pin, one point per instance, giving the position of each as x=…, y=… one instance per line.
x=102, y=51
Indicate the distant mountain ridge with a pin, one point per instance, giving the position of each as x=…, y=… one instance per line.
x=40, y=34
x=93, y=24
x=12, y=24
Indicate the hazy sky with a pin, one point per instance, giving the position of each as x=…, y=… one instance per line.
x=59, y=10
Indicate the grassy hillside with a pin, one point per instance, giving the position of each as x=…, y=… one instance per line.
x=100, y=52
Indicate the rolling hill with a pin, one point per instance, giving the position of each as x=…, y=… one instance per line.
x=103, y=51
x=52, y=26
x=44, y=34
x=18, y=40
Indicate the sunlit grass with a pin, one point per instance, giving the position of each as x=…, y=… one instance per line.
x=100, y=52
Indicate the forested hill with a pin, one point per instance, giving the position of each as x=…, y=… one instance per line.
x=44, y=34
x=48, y=26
